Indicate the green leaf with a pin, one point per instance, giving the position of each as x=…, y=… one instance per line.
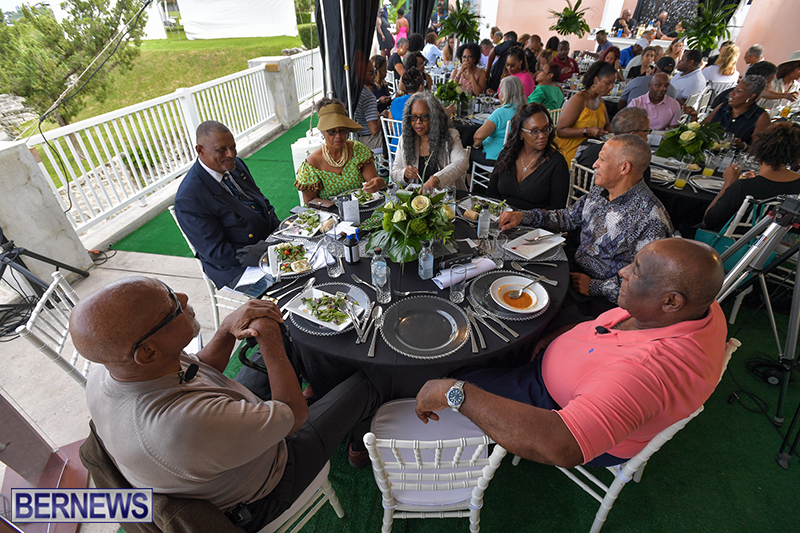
x=405, y=249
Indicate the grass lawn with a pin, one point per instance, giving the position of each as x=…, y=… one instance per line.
x=168, y=64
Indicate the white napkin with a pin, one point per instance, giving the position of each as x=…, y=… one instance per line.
x=250, y=276
x=478, y=266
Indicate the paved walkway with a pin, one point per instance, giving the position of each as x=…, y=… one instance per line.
x=54, y=403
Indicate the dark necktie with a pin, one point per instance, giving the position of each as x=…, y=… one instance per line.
x=229, y=182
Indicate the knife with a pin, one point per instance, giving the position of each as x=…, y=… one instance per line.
x=472, y=337
x=477, y=328
x=480, y=319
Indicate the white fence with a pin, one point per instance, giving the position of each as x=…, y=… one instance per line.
x=116, y=159
x=308, y=74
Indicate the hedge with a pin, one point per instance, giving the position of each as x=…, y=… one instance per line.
x=308, y=34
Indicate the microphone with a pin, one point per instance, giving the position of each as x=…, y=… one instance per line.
x=601, y=330
x=191, y=372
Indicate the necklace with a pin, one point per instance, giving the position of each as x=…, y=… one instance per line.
x=339, y=163
x=534, y=158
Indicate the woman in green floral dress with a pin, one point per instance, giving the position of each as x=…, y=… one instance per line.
x=340, y=165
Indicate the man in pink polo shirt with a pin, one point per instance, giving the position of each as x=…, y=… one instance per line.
x=664, y=111
x=604, y=389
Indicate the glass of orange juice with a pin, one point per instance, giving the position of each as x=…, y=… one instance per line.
x=712, y=162
x=683, y=173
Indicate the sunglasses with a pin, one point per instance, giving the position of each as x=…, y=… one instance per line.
x=334, y=133
x=169, y=318
x=536, y=133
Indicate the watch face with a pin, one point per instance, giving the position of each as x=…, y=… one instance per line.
x=455, y=396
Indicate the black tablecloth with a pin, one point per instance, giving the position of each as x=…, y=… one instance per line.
x=685, y=207
x=330, y=360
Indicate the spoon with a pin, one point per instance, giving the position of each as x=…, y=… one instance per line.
x=377, y=313
x=515, y=294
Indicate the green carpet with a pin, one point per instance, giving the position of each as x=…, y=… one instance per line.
x=273, y=171
x=717, y=475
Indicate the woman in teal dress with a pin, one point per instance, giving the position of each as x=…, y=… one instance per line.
x=340, y=165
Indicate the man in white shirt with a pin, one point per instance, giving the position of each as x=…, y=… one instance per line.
x=486, y=49
x=753, y=55
x=690, y=79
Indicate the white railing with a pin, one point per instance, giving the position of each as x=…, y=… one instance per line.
x=116, y=159
x=241, y=101
x=308, y=74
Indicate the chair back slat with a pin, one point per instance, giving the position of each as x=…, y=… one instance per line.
x=581, y=180
x=47, y=328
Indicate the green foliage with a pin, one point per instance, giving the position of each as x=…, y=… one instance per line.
x=303, y=18
x=461, y=23
x=392, y=14
x=41, y=57
x=303, y=6
x=308, y=33
x=450, y=91
x=571, y=20
x=709, y=26
x=680, y=141
x=407, y=223
x=140, y=155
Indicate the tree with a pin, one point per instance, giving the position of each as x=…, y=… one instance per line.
x=41, y=57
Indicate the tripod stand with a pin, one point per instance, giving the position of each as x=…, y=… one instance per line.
x=770, y=231
x=11, y=257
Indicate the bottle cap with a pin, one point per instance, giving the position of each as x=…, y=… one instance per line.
x=377, y=250
x=426, y=242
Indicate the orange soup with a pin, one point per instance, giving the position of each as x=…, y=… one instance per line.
x=523, y=302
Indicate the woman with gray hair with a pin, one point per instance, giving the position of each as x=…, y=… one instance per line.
x=429, y=151
x=741, y=115
x=489, y=139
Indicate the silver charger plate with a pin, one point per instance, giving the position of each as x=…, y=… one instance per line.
x=480, y=295
x=333, y=287
x=425, y=327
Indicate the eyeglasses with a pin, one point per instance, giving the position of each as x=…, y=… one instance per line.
x=419, y=118
x=334, y=133
x=535, y=133
x=170, y=317
x=647, y=131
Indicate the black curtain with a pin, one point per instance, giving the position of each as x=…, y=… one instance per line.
x=359, y=22
x=421, y=16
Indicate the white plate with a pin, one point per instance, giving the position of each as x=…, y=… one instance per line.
x=275, y=262
x=481, y=116
x=375, y=197
x=662, y=174
x=530, y=250
x=669, y=162
x=707, y=183
x=537, y=293
x=297, y=306
x=297, y=230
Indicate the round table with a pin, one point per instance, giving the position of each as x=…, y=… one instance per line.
x=686, y=207
x=330, y=360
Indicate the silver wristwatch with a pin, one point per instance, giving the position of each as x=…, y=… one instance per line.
x=455, y=396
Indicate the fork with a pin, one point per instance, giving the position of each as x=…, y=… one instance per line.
x=516, y=266
x=359, y=280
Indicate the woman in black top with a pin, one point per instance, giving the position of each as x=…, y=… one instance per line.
x=383, y=30
x=531, y=173
x=777, y=148
x=379, y=88
x=741, y=115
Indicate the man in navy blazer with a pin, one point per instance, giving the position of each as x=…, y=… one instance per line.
x=220, y=218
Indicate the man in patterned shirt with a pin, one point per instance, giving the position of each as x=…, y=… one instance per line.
x=618, y=217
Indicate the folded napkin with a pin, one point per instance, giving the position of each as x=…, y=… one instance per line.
x=478, y=266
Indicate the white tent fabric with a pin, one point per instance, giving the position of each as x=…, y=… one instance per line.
x=219, y=19
x=154, y=27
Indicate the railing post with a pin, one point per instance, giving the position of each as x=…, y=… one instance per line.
x=281, y=83
x=189, y=112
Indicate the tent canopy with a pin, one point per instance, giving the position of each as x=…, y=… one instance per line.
x=220, y=19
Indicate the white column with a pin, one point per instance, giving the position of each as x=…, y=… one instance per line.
x=279, y=72
x=611, y=12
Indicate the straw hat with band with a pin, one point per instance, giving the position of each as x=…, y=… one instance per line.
x=333, y=116
x=794, y=58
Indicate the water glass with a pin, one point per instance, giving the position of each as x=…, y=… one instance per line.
x=458, y=283
x=499, y=249
x=384, y=288
x=683, y=173
x=336, y=251
x=712, y=163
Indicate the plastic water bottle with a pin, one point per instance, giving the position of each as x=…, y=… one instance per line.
x=380, y=277
x=483, y=223
x=425, y=260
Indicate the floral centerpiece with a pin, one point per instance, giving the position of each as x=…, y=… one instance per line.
x=414, y=217
x=451, y=92
x=690, y=139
